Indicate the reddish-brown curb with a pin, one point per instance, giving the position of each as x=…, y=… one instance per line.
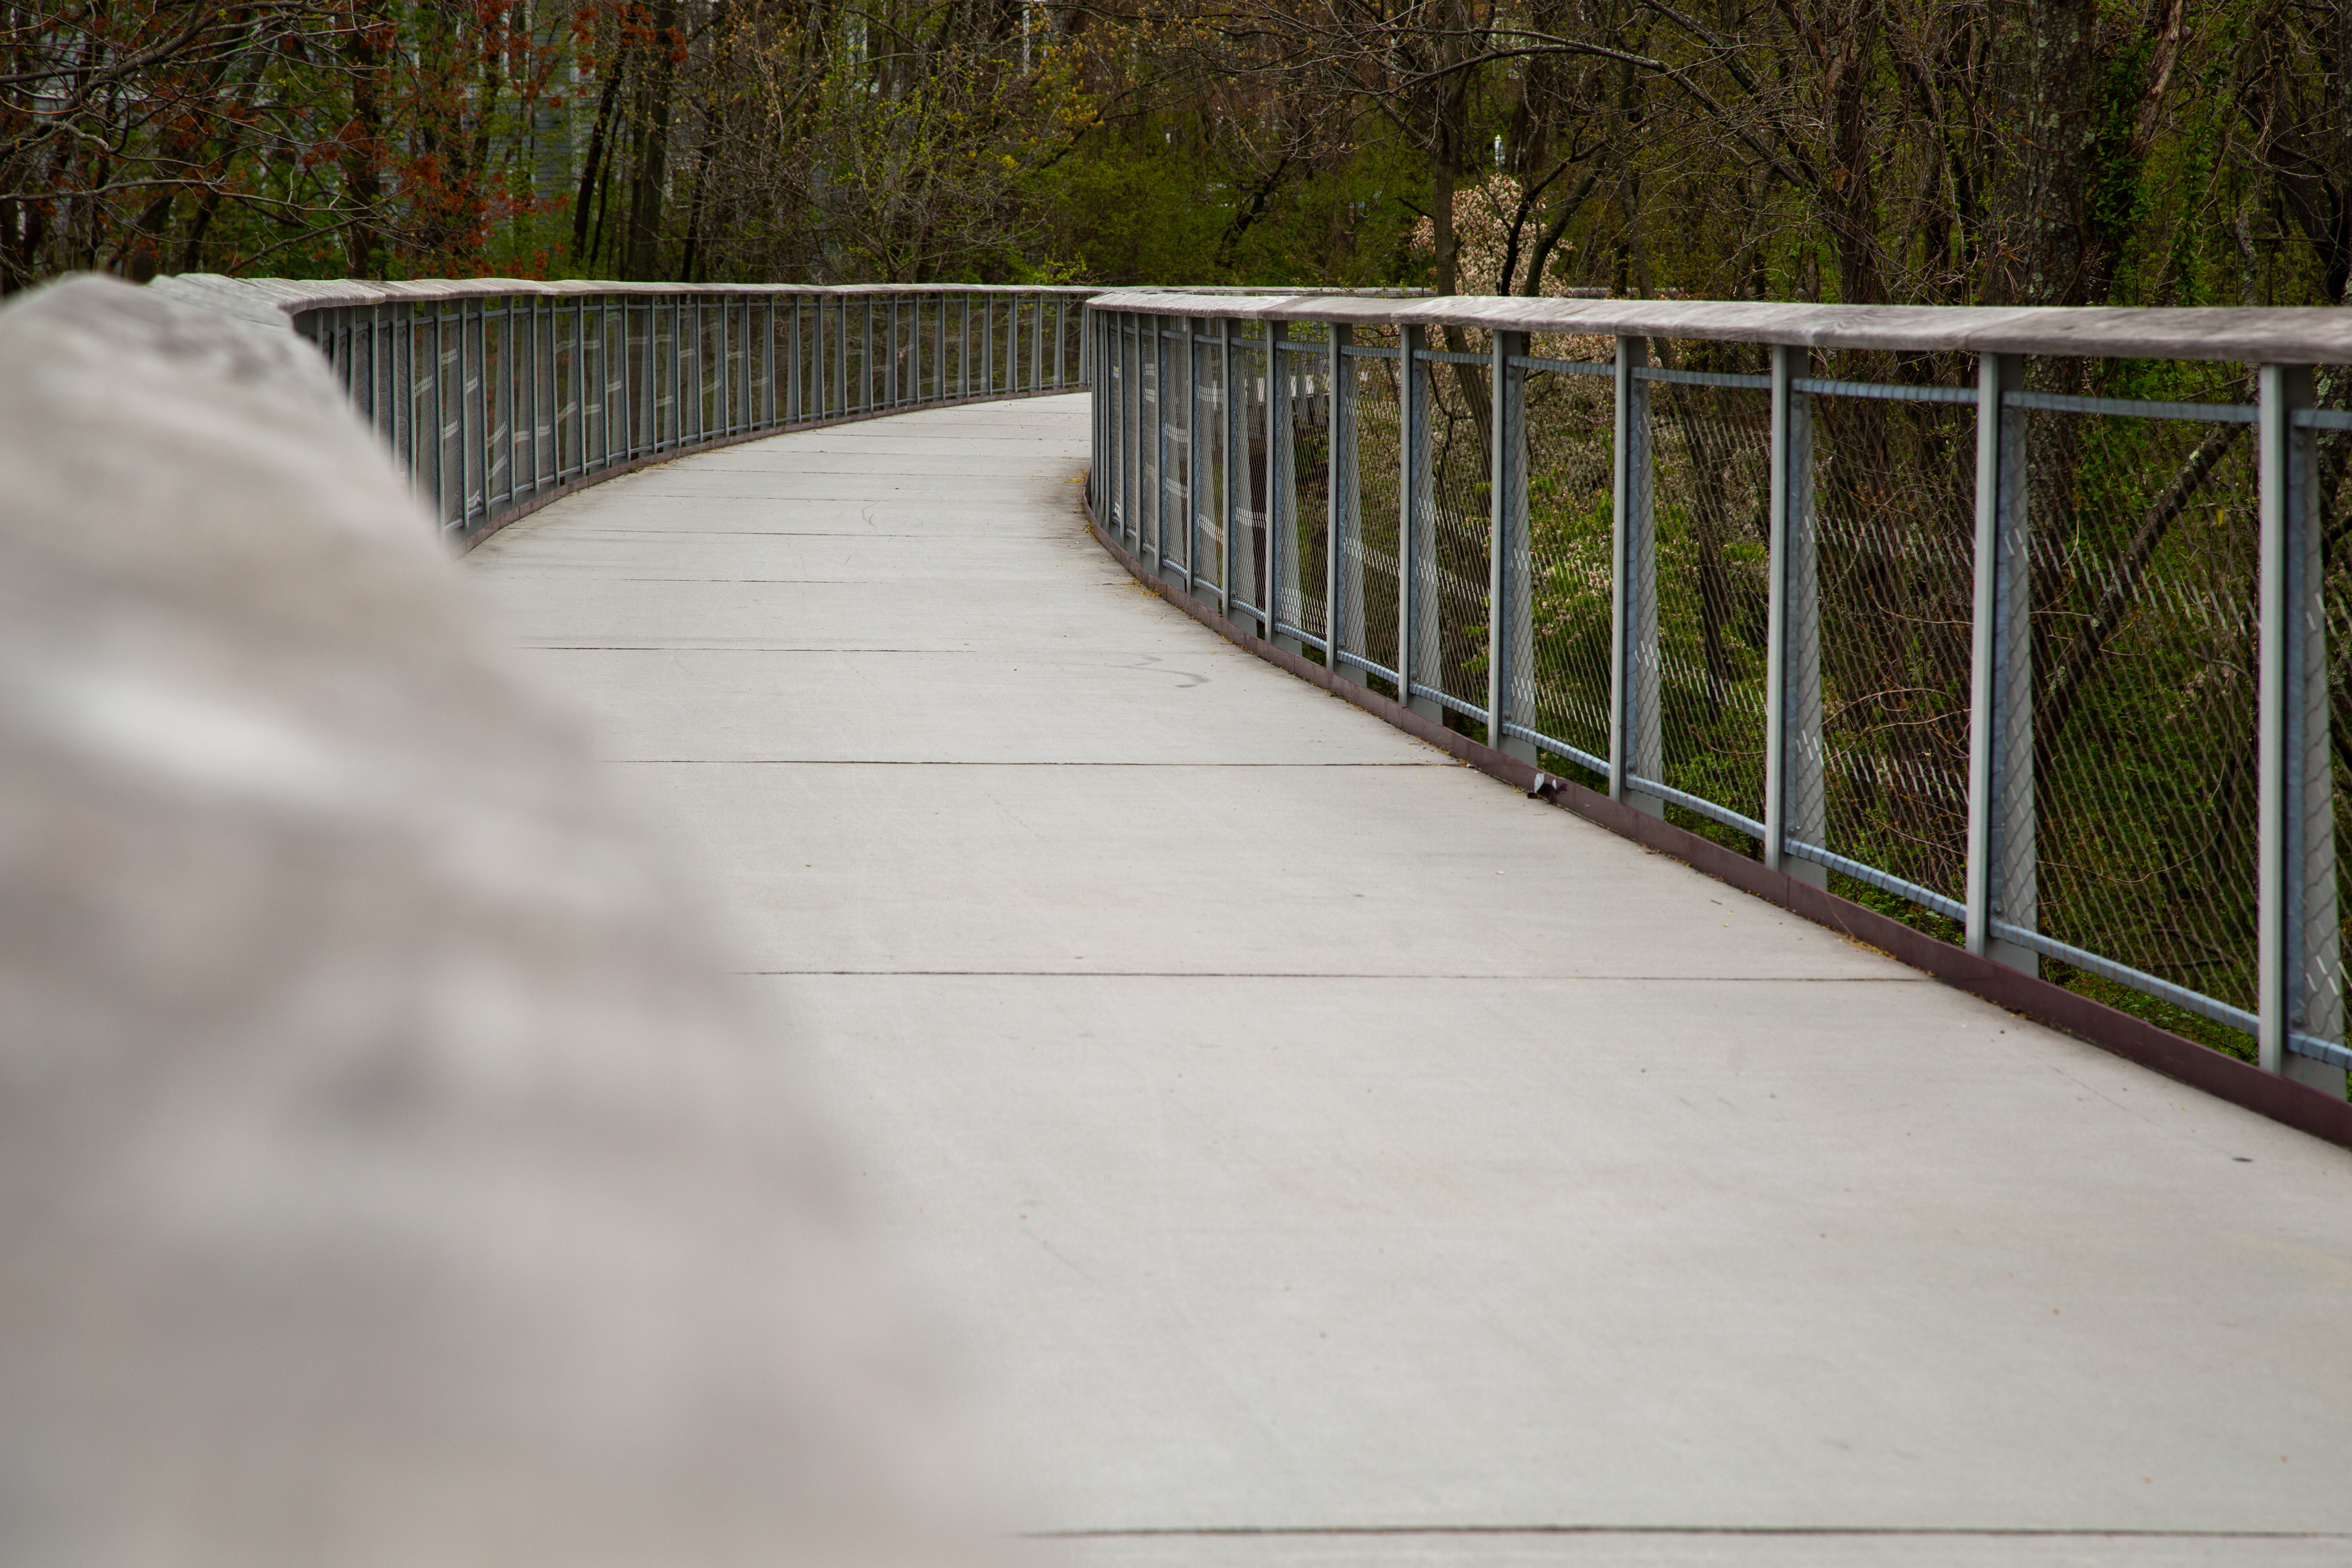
x=2094, y=1023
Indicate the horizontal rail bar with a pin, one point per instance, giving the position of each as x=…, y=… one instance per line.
x=1700, y=804
x=2326, y=1051
x=2132, y=407
x=1926, y=898
x=1883, y=392
x=2322, y=419
x=1368, y=667
x=1447, y=356
x=1577, y=754
x=1563, y=366
x=1703, y=378
x=2317, y=334
x=1444, y=700
x=1282, y=628
x=2163, y=990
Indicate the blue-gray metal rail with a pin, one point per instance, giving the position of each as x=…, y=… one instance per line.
x=1195, y=457
x=498, y=394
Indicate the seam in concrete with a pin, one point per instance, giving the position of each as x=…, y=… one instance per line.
x=1348, y=974
x=2175, y=1057
x=1843, y=1532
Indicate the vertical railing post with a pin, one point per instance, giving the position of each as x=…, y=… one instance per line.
x=2299, y=964
x=1795, y=803
x=1234, y=469
x=1196, y=464
x=1282, y=606
x=840, y=409
x=1343, y=552
x=1160, y=416
x=1636, y=727
x=441, y=401
x=474, y=351
x=1417, y=629
x=1132, y=346
x=1510, y=613
x=2001, y=858
x=1097, y=409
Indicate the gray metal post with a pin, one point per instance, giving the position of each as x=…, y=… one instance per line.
x=1510, y=612
x=1636, y=727
x=1196, y=459
x=793, y=396
x=1036, y=341
x=473, y=356
x=2000, y=873
x=1417, y=663
x=1282, y=606
x=1131, y=467
x=2300, y=972
x=1795, y=801
x=1232, y=431
x=1343, y=553
x=1158, y=327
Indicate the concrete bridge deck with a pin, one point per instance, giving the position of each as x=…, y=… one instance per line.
x=1325, y=1155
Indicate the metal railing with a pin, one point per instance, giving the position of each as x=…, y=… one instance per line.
x=2046, y=673
x=498, y=394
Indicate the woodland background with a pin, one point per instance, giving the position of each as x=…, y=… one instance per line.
x=2147, y=152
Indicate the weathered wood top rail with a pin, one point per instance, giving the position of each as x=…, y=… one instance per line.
x=2232, y=336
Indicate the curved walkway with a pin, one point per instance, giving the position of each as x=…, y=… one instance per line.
x=1330, y=1156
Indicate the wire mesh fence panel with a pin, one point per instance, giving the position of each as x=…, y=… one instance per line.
x=565, y=348
x=711, y=368
x=1206, y=512
x=1571, y=453
x=1368, y=571
x=1151, y=437
x=496, y=369
x=1461, y=413
x=2332, y=466
x=1302, y=602
x=1884, y=670
x=1711, y=449
x=1248, y=392
x=1173, y=518
x=935, y=349
x=2143, y=538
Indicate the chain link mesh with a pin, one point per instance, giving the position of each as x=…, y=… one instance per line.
x=1711, y=454
x=1308, y=461
x=1461, y=425
x=1248, y=389
x=1572, y=433
x=1370, y=569
x=2144, y=551
x=1893, y=555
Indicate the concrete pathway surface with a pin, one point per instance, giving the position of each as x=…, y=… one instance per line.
x=1329, y=1156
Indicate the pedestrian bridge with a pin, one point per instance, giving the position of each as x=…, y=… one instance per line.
x=1315, y=1147
x=1314, y=1135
